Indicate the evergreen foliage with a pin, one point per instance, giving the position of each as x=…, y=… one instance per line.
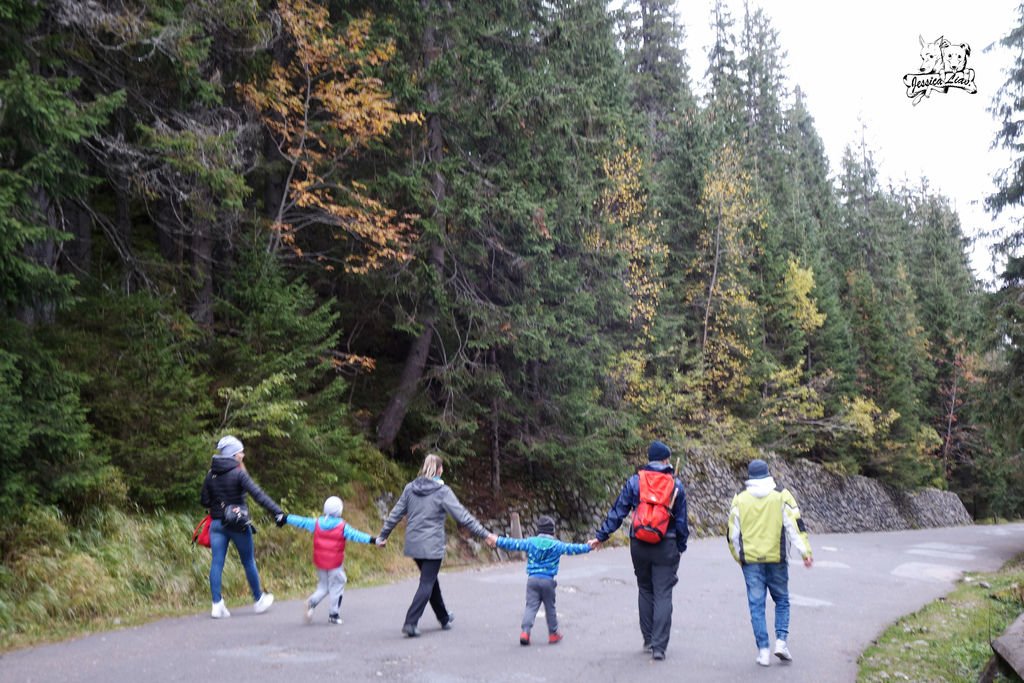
x=1003, y=412
x=506, y=231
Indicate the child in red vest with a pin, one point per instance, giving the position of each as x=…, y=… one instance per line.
x=329, y=535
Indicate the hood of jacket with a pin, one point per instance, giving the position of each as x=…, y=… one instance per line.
x=424, y=487
x=759, y=488
x=223, y=463
x=656, y=466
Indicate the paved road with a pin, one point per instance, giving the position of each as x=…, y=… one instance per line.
x=860, y=583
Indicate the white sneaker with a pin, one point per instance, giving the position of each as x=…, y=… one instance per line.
x=264, y=603
x=309, y=613
x=220, y=610
x=764, y=657
x=782, y=652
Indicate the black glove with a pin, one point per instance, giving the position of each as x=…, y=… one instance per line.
x=281, y=519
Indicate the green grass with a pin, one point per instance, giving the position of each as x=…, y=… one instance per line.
x=948, y=640
x=112, y=569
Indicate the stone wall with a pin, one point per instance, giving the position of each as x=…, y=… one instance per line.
x=829, y=502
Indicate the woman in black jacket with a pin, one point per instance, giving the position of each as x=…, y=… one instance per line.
x=225, y=486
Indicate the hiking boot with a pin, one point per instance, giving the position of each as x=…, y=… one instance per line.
x=447, y=626
x=657, y=655
x=264, y=603
x=555, y=637
x=782, y=651
x=764, y=657
x=220, y=611
x=411, y=631
x=524, y=638
x=335, y=619
x=309, y=613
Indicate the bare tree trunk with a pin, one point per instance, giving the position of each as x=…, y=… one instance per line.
x=950, y=418
x=495, y=437
x=202, y=271
x=714, y=279
x=274, y=187
x=416, y=362
x=495, y=450
x=43, y=253
x=77, y=253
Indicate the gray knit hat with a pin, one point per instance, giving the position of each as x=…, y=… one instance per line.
x=229, y=446
x=545, y=525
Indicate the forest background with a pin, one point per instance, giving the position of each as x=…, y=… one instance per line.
x=352, y=233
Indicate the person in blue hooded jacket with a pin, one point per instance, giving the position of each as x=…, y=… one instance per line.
x=656, y=565
x=543, y=552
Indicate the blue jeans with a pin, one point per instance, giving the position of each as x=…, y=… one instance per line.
x=772, y=577
x=219, y=537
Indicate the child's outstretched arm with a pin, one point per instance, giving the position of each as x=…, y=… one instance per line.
x=353, y=534
x=573, y=548
x=306, y=523
x=508, y=543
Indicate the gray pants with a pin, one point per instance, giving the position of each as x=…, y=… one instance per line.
x=540, y=589
x=331, y=581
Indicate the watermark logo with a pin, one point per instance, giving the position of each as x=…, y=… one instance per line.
x=943, y=66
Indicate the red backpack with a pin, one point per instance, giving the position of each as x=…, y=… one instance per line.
x=654, y=511
x=201, y=534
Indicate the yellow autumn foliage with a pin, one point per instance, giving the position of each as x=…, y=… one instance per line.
x=322, y=107
x=631, y=228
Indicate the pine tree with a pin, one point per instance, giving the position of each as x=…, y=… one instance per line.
x=515, y=325
x=1004, y=383
x=47, y=455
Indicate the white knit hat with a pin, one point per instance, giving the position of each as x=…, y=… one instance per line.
x=333, y=506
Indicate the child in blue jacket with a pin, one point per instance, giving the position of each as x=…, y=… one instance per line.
x=542, y=552
x=329, y=535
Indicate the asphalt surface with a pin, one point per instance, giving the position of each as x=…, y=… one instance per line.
x=860, y=583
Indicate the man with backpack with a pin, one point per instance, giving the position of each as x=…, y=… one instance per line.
x=762, y=517
x=657, y=537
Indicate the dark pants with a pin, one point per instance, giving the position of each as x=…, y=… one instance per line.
x=655, y=567
x=540, y=589
x=429, y=590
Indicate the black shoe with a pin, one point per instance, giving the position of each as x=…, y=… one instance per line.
x=658, y=655
x=447, y=626
x=411, y=631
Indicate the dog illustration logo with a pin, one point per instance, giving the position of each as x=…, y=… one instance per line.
x=931, y=56
x=943, y=66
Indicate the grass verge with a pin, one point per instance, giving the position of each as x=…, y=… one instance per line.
x=948, y=640
x=112, y=569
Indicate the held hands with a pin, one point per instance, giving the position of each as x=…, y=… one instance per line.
x=808, y=561
x=491, y=540
x=281, y=519
x=594, y=544
x=381, y=541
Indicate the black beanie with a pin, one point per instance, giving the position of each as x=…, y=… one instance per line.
x=545, y=525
